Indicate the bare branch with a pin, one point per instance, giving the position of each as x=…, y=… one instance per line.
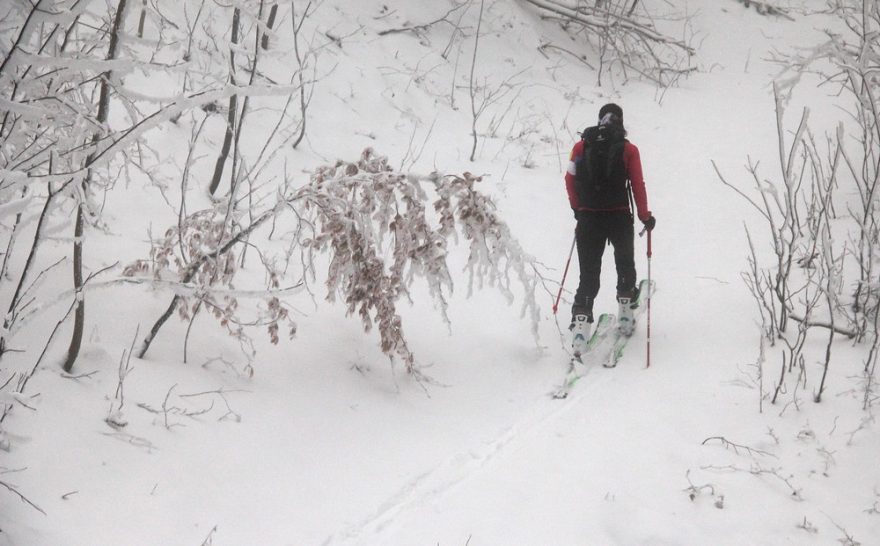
x=21, y=497
x=737, y=447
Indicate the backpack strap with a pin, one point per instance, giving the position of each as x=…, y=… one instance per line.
x=632, y=205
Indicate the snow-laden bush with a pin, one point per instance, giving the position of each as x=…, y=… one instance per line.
x=822, y=213
x=374, y=224
x=198, y=258
x=381, y=230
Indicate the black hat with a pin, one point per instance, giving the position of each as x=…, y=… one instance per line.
x=612, y=109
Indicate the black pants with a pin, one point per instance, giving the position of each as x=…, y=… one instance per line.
x=594, y=230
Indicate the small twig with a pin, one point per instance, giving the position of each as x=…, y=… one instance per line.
x=24, y=499
x=808, y=527
x=23, y=381
x=79, y=376
x=165, y=405
x=222, y=394
x=863, y=425
x=580, y=57
x=338, y=39
x=848, y=539
x=131, y=439
x=737, y=447
x=167, y=410
x=18, y=400
x=209, y=540
x=694, y=491
x=834, y=428
x=417, y=28
x=740, y=192
x=758, y=470
x=810, y=323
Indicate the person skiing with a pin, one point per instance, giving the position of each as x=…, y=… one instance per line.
x=604, y=175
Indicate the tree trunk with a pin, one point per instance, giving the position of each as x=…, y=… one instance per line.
x=632, y=8
x=103, y=110
x=270, y=23
x=233, y=110
x=142, y=19
x=303, y=103
x=79, y=317
x=474, y=112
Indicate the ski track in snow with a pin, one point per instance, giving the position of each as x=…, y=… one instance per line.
x=462, y=466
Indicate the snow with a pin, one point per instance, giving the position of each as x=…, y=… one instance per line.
x=324, y=441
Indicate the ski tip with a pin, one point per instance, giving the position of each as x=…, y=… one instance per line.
x=646, y=289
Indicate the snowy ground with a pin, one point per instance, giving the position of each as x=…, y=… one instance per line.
x=329, y=444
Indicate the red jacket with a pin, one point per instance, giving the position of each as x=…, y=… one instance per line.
x=633, y=164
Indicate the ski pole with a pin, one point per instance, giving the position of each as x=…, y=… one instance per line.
x=564, y=273
x=650, y=290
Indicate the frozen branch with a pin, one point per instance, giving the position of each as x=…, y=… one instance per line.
x=633, y=43
x=21, y=497
x=737, y=447
x=822, y=324
x=425, y=26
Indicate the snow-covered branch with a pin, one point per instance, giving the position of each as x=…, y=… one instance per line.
x=622, y=38
x=374, y=224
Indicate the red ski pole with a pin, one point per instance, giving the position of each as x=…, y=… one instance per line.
x=564, y=274
x=650, y=290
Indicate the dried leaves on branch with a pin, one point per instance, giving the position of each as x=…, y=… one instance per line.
x=381, y=231
x=374, y=224
x=201, y=252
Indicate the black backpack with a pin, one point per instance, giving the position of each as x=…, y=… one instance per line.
x=600, y=174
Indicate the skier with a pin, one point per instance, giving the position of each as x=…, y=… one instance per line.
x=604, y=175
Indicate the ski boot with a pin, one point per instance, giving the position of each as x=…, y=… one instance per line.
x=580, y=327
x=627, y=302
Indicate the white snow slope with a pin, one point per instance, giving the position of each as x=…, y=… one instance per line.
x=335, y=446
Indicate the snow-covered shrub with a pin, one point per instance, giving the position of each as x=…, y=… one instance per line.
x=199, y=258
x=373, y=223
x=381, y=231
x=625, y=37
x=822, y=213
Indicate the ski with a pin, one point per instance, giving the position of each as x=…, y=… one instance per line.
x=573, y=374
x=620, y=338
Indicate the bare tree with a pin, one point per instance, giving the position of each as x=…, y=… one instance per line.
x=63, y=146
x=472, y=87
x=232, y=114
x=101, y=118
x=302, y=60
x=783, y=214
x=273, y=13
